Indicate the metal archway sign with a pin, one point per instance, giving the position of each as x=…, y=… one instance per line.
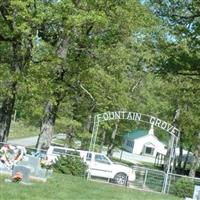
x=139, y=117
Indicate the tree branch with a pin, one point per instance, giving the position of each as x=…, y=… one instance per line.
x=136, y=85
x=87, y=92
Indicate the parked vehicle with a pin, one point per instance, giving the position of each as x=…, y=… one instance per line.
x=54, y=151
x=99, y=165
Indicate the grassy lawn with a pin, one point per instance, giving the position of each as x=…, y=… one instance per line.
x=20, y=129
x=63, y=187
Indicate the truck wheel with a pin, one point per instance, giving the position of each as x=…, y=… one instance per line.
x=121, y=178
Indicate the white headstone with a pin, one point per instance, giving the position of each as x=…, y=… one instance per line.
x=196, y=195
x=24, y=171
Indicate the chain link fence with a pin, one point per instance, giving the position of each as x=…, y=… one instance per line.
x=174, y=180
x=153, y=180
x=148, y=179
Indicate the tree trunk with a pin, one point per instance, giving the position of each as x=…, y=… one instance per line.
x=5, y=116
x=166, y=159
x=194, y=165
x=47, y=127
x=70, y=137
x=49, y=119
x=102, y=141
x=111, y=145
x=195, y=162
x=180, y=157
x=88, y=124
x=6, y=110
x=187, y=157
x=175, y=123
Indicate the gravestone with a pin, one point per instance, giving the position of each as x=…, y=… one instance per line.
x=4, y=169
x=33, y=163
x=196, y=194
x=25, y=171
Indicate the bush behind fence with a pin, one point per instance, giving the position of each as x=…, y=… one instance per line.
x=153, y=180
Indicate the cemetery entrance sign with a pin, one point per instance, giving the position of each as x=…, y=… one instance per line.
x=139, y=117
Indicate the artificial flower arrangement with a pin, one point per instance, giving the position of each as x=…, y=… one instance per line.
x=17, y=177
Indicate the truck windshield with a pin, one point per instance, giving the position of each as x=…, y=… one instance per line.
x=102, y=159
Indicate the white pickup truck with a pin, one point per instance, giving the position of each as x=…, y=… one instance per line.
x=99, y=165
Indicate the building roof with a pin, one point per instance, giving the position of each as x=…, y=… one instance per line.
x=136, y=134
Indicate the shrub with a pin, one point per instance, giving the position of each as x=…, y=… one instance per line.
x=72, y=165
x=183, y=188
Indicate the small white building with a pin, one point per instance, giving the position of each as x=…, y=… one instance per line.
x=143, y=142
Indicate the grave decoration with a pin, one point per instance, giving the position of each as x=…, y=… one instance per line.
x=34, y=164
x=10, y=155
x=14, y=160
x=44, y=162
x=17, y=177
x=21, y=174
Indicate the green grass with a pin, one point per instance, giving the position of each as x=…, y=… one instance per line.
x=63, y=187
x=20, y=129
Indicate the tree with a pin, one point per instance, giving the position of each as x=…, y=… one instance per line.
x=90, y=29
x=181, y=58
x=182, y=18
x=16, y=43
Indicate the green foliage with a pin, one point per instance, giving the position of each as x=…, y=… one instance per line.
x=183, y=187
x=182, y=45
x=70, y=164
x=88, y=57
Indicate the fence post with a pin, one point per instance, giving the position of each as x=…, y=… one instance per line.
x=170, y=162
x=169, y=183
x=145, y=178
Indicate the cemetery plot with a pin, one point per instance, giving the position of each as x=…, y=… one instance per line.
x=21, y=166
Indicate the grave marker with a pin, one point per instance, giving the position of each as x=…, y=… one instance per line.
x=196, y=194
x=25, y=171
